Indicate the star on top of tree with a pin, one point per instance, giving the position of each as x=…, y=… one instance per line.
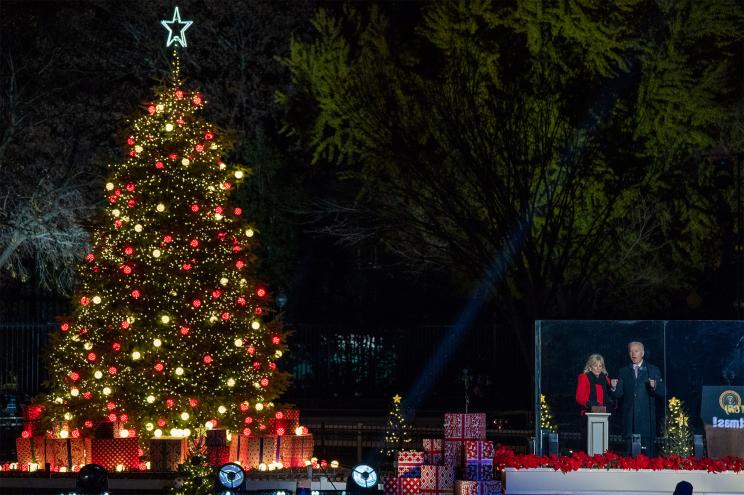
x=397, y=398
x=173, y=26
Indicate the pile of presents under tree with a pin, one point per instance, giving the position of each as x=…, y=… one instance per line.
x=461, y=463
x=281, y=443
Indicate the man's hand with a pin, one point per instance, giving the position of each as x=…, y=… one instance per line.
x=652, y=383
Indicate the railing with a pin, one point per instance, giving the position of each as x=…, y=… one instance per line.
x=21, y=367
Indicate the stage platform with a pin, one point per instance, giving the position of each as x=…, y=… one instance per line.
x=17, y=483
x=546, y=481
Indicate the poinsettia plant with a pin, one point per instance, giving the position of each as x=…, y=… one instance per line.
x=505, y=457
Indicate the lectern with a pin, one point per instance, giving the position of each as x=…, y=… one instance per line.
x=598, y=433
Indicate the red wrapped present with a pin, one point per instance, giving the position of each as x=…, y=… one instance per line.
x=286, y=420
x=432, y=444
x=294, y=450
x=489, y=487
x=216, y=437
x=166, y=453
x=453, y=452
x=109, y=452
x=68, y=452
x=239, y=450
x=433, y=451
x=31, y=416
x=262, y=449
x=217, y=455
x=31, y=449
x=478, y=460
x=409, y=463
x=402, y=486
x=437, y=480
x=464, y=426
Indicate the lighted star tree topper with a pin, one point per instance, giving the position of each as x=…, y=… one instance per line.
x=169, y=333
x=398, y=431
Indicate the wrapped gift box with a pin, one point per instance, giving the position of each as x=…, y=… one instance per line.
x=478, y=460
x=31, y=416
x=239, y=450
x=433, y=451
x=216, y=438
x=437, y=480
x=409, y=463
x=108, y=452
x=166, y=453
x=262, y=449
x=68, y=452
x=402, y=486
x=294, y=450
x=32, y=449
x=489, y=487
x=464, y=426
x=432, y=444
x=453, y=452
x=217, y=456
x=288, y=420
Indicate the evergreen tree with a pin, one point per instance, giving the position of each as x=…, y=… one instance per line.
x=170, y=331
x=547, y=423
x=678, y=432
x=397, y=432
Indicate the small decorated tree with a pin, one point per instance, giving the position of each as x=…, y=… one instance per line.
x=678, y=432
x=398, y=431
x=547, y=422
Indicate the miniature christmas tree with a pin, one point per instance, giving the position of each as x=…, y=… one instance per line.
x=546, y=416
x=170, y=332
x=678, y=432
x=397, y=432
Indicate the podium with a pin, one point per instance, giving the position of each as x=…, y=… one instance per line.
x=597, y=432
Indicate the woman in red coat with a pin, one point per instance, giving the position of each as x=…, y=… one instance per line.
x=592, y=389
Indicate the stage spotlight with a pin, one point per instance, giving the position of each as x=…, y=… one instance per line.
x=363, y=479
x=230, y=477
x=92, y=479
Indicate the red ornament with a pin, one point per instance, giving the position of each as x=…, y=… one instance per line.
x=117, y=223
x=125, y=324
x=112, y=370
x=91, y=356
x=167, y=238
x=25, y=434
x=195, y=207
x=179, y=94
x=75, y=433
x=173, y=156
x=197, y=100
x=74, y=376
x=207, y=359
x=238, y=211
x=258, y=310
x=128, y=250
x=130, y=186
x=226, y=185
x=262, y=427
x=126, y=269
x=246, y=431
x=116, y=346
x=161, y=422
x=261, y=292
x=272, y=365
x=88, y=423
x=184, y=330
x=117, y=192
x=244, y=406
x=193, y=402
x=112, y=417
x=87, y=396
x=136, y=294
x=65, y=326
x=219, y=210
x=159, y=165
x=248, y=420
x=251, y=350
x=169, y=403
x=110, y=406
x=208, y=135
x=199, y=148
x=240, y=300
x=180, y=120
x=239, y=264
x=186, y=266
x=194, y=243
x=225, y=316
x=131, y=203
x=275, y=340
x=84, y=301
x=151, y=109
x=132, y=153
x=159, y=367
x=280, y=432
x=123, y=418
x=82, y=331
x=90, y=257
x=196, y=303
x=279, y=415
x=216, y=293
x=256, y=365
x=130, y=141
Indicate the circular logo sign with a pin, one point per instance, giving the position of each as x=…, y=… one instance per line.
x=730, y=402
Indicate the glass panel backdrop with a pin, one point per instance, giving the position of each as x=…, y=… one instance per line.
x=689, y=354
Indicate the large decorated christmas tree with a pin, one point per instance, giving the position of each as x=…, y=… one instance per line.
x=170, y=332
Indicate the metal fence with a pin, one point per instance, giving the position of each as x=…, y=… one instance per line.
x=21, y=367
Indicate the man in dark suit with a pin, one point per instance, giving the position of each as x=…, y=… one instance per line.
x=639, y=385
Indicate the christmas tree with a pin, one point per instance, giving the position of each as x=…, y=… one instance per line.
x=546, y=416
x=679, y=434
x=397, y=432
x=169, y=333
